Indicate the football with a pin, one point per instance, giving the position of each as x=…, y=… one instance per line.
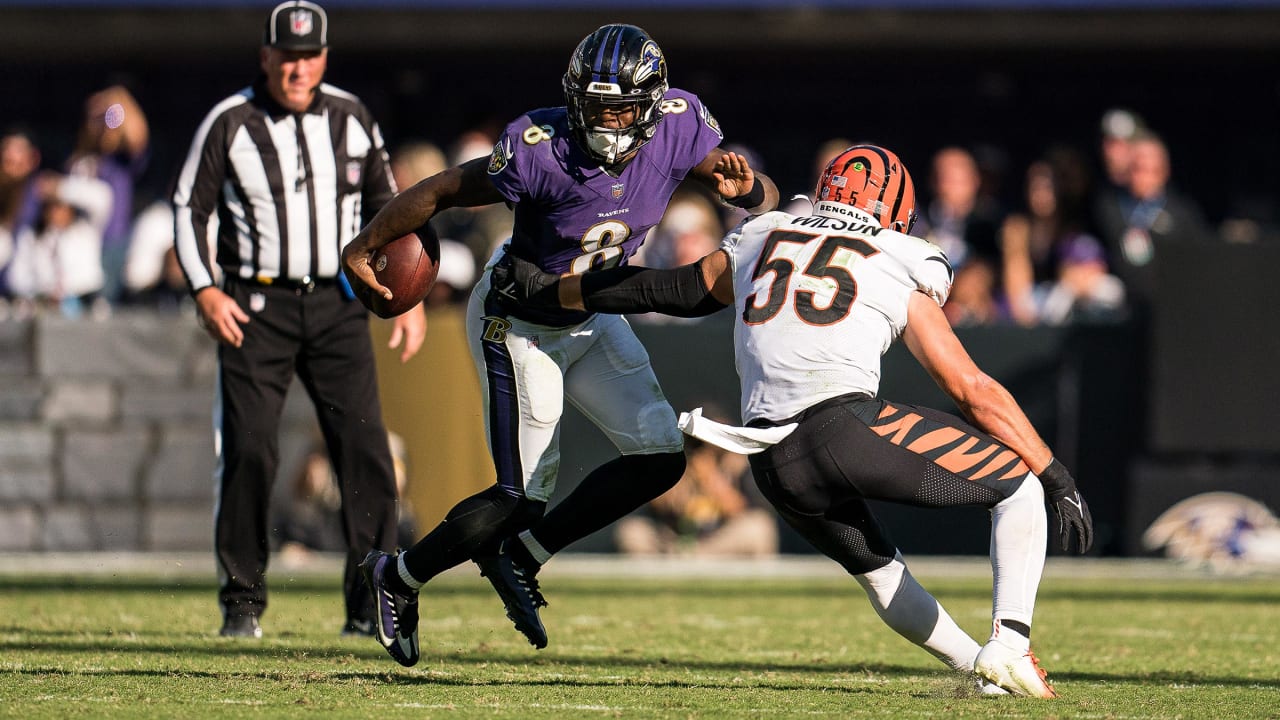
x=408, y=267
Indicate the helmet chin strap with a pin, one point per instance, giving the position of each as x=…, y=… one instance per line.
x=611, y=145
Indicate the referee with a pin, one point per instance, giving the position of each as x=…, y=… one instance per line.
x=279, y=178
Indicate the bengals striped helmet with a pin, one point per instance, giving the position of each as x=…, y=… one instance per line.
x=873, y=180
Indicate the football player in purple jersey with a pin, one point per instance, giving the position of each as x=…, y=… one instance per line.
x=819, y=298
x=587, y=182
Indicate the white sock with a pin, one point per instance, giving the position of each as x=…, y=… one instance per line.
x=1018, y=544
x=1009, y=637
x=408, y=579
x=904, y=605
x=534, y=547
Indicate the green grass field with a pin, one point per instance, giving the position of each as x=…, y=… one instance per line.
x=1118, y=643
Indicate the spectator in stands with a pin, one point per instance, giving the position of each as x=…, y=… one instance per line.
x=688, y=230
x=1053, y=270
x=456, y=277
x=1083, y=288
x=967, y=231
x=19, y=161
x=152, y=275
x=708, y=512
x=112, y=146
x=415, y=160
x=1119, y=126
x=801, y=202
x=58, y=261
x=1148, y=216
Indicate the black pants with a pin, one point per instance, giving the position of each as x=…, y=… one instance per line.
x=323, y=338
x=853, y=448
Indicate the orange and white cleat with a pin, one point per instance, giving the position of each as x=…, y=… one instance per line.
x=1016, y=671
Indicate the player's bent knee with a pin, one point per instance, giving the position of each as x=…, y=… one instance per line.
x=658, y=430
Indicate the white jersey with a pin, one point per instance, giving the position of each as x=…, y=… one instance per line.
x=819, y=298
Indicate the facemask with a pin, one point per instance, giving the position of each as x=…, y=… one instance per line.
x=610, y=144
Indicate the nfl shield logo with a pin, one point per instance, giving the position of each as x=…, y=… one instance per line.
x=353, y=172
x=300, y=22
x=617, y=190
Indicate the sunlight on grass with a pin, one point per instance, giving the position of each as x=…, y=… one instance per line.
x=696, y=648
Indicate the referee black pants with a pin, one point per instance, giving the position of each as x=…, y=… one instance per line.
x=323, y=338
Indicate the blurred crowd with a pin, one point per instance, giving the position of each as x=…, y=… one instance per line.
x=1077, y=244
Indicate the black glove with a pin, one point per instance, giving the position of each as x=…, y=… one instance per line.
x=520, y=283
x=1068, y=506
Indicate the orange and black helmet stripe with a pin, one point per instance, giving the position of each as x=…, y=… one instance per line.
x=873, y=180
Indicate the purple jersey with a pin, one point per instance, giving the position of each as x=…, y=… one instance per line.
x=571, y=215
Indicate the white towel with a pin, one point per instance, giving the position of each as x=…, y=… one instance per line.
x=741, y=440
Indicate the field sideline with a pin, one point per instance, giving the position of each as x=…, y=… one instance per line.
x=112, y=635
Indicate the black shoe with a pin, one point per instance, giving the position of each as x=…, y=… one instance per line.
x=241, y=626
x=397, y=615
x=517, y=585
x=359, y=627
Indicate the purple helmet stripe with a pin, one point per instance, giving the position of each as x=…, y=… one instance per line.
x=613, y=39
x=617, y=52
x=597, y=67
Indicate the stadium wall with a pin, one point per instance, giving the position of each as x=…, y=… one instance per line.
x=106, y=443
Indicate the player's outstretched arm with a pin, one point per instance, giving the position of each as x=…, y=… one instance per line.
x=692, y=290
x=731, y=177
x=466, y=185
x=989, y=406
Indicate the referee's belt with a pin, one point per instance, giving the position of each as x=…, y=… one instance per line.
x=303, y=286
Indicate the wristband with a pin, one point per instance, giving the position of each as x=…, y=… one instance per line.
x=753, y=197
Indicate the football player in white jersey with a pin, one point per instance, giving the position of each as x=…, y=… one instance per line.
x=819, y=299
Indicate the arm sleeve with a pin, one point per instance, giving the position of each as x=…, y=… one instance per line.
x=679, y=292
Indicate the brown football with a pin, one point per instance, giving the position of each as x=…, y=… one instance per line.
x=408, y=267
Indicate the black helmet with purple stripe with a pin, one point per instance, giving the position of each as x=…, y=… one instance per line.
x=617, y=67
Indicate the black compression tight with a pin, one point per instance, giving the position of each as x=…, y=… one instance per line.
x=475, y=525
x=606, y=494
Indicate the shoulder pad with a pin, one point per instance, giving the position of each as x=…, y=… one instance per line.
x=933, y=276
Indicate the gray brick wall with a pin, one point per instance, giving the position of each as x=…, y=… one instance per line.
x=106, y=439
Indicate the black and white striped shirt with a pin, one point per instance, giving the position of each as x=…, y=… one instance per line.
x=281, y=192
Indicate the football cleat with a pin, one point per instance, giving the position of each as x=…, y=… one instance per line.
x=1017, y=671
x=517, y=585
x=989, y=690
x=241, y=626
x=359, y=627
x=396, y=616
